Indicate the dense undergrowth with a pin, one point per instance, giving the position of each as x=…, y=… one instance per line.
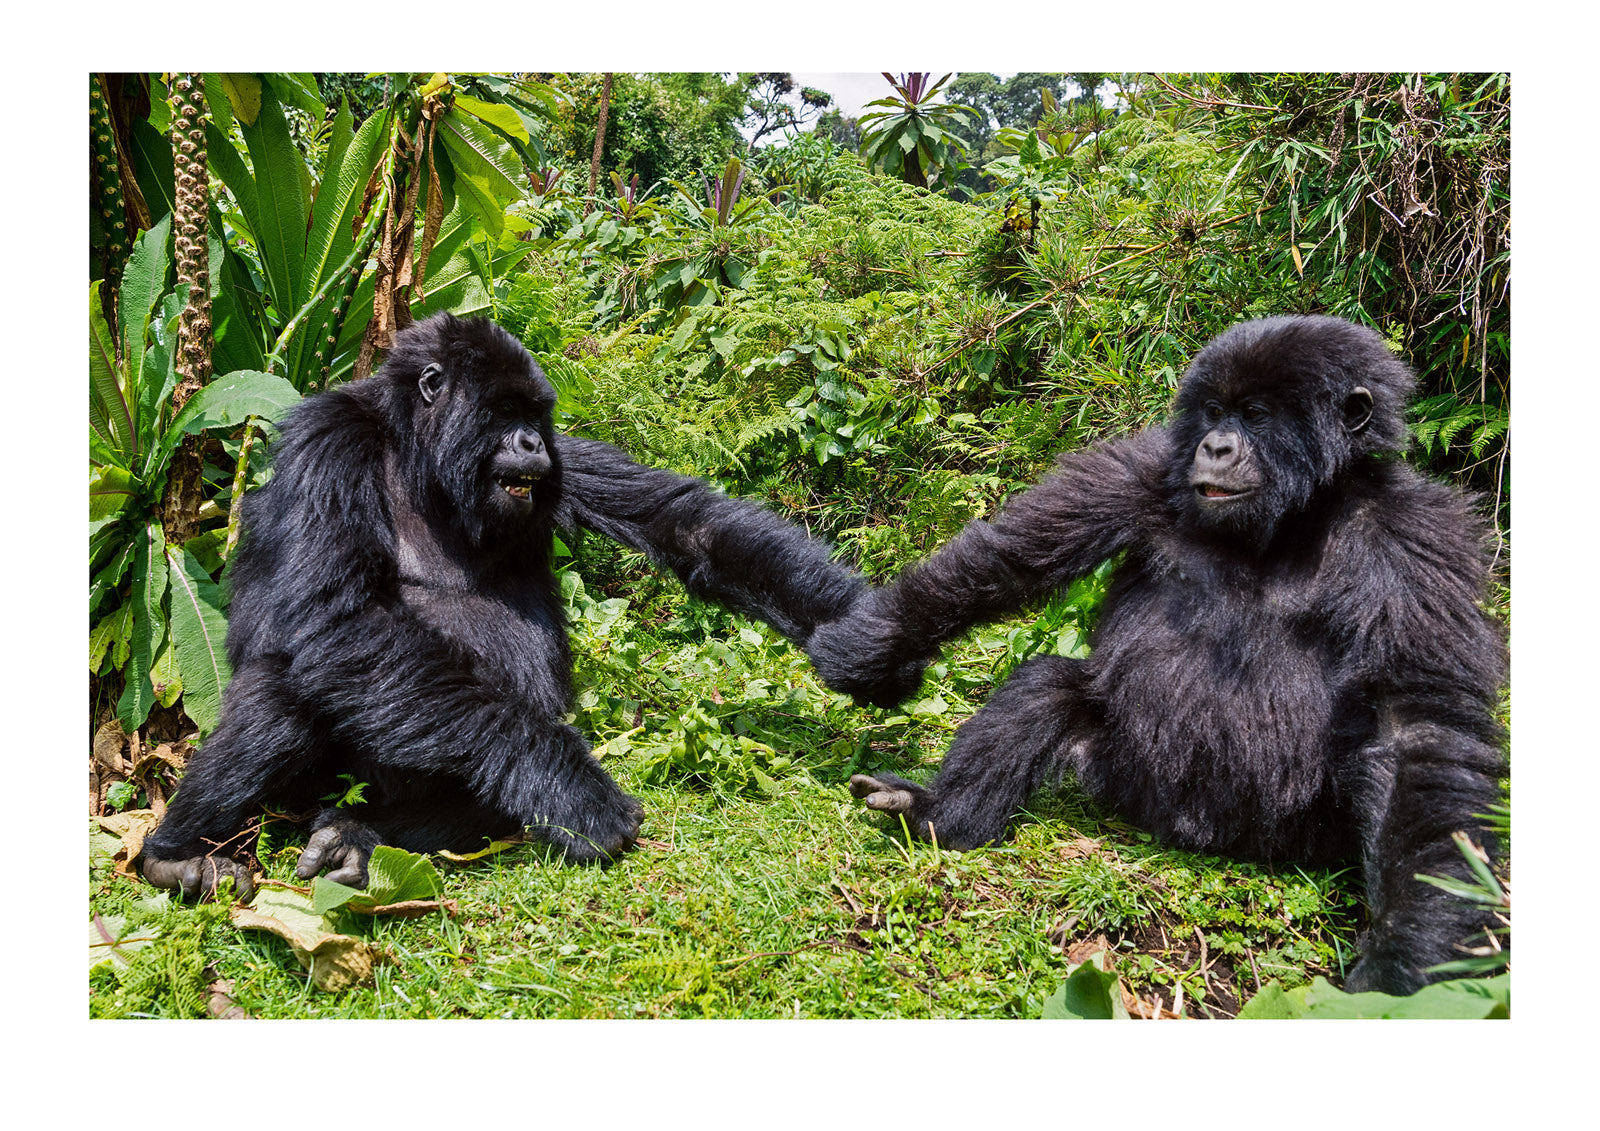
x=883, y=364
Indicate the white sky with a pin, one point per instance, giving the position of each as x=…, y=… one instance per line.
x=851, y=90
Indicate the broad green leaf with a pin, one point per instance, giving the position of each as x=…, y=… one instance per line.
x=143, y=284
x=297, y=89
x=149, y=625
x=226, y=162
x=164, y=678
x=393, y=876
x=157, y=379
x=474, y=191
x=110, y=490
x=344, y=180
x=281, y=206
x=110, y=576
x=476, y=150
x=1088, y=994
x=111, y=941
x=336, y=961
x=110, y=631
x=228, y=401
x=500, y=116
x=109, y=416
x=244, y=96
x=1460, y=999
x=199, y=636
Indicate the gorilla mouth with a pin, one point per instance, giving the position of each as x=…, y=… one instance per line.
x=1215, y=491
x=519, y=486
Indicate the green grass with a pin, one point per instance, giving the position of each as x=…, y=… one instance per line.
x=771, y=895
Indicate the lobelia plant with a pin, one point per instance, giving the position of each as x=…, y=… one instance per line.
x=155, y=611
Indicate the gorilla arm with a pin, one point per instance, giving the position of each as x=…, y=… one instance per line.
x=1096, y=503
x=723, y=549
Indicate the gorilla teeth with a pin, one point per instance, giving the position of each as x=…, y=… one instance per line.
x=521, y=488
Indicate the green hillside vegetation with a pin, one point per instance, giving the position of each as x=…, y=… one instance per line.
x=799, y=324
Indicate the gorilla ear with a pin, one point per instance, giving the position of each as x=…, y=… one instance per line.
x=431, y=383
x=1357, y=409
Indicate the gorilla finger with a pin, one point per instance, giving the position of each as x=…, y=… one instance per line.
x=315, y=853
x=882, y=796
x=352, y=874
x=244, y=883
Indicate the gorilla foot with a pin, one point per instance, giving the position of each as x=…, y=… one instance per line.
x=887, y=794
x=198, y=877
x=943, y=820
x=342, y=845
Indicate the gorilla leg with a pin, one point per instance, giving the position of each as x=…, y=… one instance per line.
x=264, y=743
x=1023, y=735
x=556, y=791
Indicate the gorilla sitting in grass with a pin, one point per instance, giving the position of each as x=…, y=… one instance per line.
x=1291, y=662
x=395, y=618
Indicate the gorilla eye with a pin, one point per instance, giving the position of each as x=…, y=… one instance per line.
x=1212, y=412
x=1257, y=414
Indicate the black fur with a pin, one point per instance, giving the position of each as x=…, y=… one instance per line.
x=1291, y=662
x=395, y=617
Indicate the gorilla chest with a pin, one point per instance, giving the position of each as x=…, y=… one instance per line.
x=1206, y=677
x=513, y=640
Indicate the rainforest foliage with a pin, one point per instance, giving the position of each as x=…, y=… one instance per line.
x=878, y=326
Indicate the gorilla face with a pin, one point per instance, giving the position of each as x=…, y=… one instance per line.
x=482, y=413
x=1269, y=413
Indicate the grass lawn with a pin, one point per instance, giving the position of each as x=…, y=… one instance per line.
x=760, y=889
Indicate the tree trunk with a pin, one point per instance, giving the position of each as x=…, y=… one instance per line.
x=599, y=140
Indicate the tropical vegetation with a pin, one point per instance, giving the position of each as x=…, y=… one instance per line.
x=878, y=326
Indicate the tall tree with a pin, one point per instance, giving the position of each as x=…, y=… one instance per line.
x=776, y=102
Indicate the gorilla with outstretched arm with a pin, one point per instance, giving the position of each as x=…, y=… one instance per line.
x=1291, y=661
x=395, y=619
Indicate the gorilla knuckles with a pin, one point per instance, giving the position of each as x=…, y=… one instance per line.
x=1291, y=662
x=395, y=618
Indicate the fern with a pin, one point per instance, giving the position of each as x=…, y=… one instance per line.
x=1439, y=421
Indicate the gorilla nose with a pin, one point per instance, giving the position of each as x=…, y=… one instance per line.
x=1219, y=446
x=529, y=443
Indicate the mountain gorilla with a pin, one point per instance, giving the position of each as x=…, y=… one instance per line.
x=1291, y=661
x=395, y=617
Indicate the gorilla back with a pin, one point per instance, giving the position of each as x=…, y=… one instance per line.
x=1291, y=662
x=395, y=618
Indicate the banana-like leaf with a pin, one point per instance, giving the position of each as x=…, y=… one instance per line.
x=476, y=148
x=149, y=625
x=143, y=284
x=110, y=576
x=487, y=171
x=243, y=93
x=227, y=402
x=502, y=117
x=344, y=179
x=199, y=633
x=110, y=490
x=226, y=162
x=110, y=421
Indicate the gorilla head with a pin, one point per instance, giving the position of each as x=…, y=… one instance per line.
x=481, y=453
x=1275, y=409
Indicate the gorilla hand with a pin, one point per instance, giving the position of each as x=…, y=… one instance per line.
x=863, y=654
